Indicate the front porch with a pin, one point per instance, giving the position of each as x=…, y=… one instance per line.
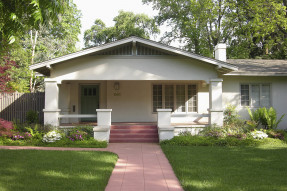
x=176, y=125
x=173, y=106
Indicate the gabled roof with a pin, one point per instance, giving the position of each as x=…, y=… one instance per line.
x=258, y=67
x=43, y=66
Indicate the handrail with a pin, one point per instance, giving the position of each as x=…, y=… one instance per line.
x=78, y=116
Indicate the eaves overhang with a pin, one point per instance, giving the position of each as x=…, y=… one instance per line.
x=45, y=67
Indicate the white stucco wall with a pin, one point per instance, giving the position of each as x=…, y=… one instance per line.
x=231, y=94
x=133, y=68
x=132, y=102
x=70, y=96
x=136, y=76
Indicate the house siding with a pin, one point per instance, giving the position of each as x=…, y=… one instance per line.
x=231, y=94
x=131, y=103
x=133, y=68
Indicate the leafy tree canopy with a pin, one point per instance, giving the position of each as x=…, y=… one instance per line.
x=250, y=28
x=126, y=24
x=17, y=16
x=41, y=30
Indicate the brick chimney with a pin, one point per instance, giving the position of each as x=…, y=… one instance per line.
x=220, y=52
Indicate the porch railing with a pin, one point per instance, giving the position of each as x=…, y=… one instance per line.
x=102, y=130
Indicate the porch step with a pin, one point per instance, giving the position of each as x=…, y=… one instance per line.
x=133, y=127
x=134, y=140
x=134, y=134
x=140, y=135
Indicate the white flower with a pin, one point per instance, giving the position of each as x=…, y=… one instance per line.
x=52, y=136
x=259, y=135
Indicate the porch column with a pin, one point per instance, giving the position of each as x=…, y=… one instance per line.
x=165, y=130
x=215, y=102
x=64, y=104
x=51, y=111
x=104, y=122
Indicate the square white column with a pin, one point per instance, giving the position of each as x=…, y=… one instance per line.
x=51, y=111
x=104, y=121
x=165, y=130
x=215, y=102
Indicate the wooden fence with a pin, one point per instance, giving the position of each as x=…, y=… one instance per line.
x=14, y=106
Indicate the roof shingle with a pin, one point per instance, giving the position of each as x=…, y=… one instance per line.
x=259, y=67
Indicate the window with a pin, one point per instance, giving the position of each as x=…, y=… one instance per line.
x=192, y=105
x=157, y=97
x=169, y=97
x=179, y=98
x=255, y=95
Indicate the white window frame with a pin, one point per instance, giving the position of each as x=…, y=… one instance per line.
x=174, y=97
x=260, y=94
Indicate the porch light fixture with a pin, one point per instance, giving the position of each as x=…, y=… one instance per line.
x=116, y=86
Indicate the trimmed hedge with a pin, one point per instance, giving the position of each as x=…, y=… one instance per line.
x=213, y=141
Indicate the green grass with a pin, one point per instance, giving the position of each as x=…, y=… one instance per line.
x=229, y=168
x=35, y=170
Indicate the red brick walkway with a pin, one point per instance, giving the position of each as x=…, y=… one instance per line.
x=140, y=167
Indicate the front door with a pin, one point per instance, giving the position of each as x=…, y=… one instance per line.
x=89, y=101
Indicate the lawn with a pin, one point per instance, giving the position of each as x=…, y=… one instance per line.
x=34, y=170
x=229, y=168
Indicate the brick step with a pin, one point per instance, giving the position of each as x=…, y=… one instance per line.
x=134, y=140
x=140, y=135
x=133, y=127
x=133, y=131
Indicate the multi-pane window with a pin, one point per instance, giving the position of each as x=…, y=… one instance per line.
x=244, y=95
x=169, y=97
x=90, y=91
x=157, y=97
x=191, y=91
x=255, y=95
x=179, y=98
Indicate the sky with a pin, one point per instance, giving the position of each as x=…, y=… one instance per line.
x=106, y=10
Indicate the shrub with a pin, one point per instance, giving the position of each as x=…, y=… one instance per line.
x=276, y=134
x=258, y=135
x=21, y=136
x=52, y=136
x=77, y=135
x=231, y=130
x=225, y=141
x=6, y=128
x=230, y=114
x=266, y=117
x=87, y=129
x=36, y=134
x=32, y=117
x=214, y=131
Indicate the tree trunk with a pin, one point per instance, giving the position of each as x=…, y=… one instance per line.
x=33, y=43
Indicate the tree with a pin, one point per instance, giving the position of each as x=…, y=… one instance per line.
x=19, y=16
x=200, y=24
x=250, y=28
x=261, y=29
x=126, y=24
x=5, y=77
x=46, y=42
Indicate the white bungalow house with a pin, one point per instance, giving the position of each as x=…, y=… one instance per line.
x=142, y=81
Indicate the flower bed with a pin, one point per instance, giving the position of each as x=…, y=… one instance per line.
x=37, y=135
